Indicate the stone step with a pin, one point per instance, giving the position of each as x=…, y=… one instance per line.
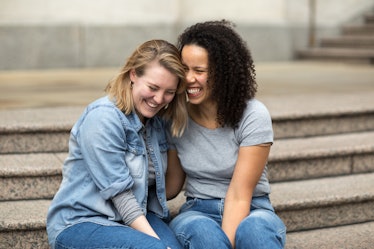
x=369, y=19
x=319, y=203
x=316, y=157
x=30, y=176
x=303, y=205
x=347, y=54
x=47, y=129
x=348, y=237
x=23, y=224
x=38, y=175
x=37, y=130
x=357, y=42
x=325, y=202
x=366, y=29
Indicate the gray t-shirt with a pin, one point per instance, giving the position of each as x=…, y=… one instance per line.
x=208, y=156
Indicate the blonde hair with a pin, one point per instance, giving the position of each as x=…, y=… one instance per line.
x=167, y=55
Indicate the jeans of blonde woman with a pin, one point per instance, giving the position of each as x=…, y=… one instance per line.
x=93, y=235
x=198, y=226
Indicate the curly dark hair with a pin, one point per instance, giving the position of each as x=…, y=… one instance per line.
x=231, y=67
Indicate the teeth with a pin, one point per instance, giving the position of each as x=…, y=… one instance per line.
x=193, y=90
x=152, y=105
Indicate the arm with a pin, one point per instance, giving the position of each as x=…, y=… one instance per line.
x=248, y=169
x=141, y=224
x=175, y=175
x=131, y=213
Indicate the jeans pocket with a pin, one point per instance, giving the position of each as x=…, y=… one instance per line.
x=190, y=202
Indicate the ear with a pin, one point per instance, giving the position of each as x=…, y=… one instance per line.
x=133, y=76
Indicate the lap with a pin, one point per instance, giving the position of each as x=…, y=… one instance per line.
x=93, y=235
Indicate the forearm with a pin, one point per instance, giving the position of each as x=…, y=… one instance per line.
x=141, y=224
x=131, y=213
x=175, y=175
x=234, y=213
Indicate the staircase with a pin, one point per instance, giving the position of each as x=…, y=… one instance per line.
x=355, y=44
x=321, y=169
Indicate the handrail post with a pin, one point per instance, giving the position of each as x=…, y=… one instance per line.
x=312, y=22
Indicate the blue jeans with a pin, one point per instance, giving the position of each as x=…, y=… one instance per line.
x=198, y=225
x=93, y=235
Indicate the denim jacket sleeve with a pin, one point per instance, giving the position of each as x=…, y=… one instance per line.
x=101, y=136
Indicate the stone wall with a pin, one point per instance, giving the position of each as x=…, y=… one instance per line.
x=42, y=34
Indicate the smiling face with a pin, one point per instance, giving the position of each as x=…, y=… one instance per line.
x=195, y=59
x=153, y=90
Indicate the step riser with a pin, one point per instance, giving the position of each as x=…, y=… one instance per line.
x=291, y=128
x=316, y=126
x=336, y=58
x=289, y=170
x=327, y=216
x=28, y=188
x=346, y=44
x=34, y=142
x=352, y=236
x=24, y=239
x=25, y=188
x=360, y=30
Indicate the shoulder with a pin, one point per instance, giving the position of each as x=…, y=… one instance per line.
x=104, y=112
x=256, y=122
x=255, y=110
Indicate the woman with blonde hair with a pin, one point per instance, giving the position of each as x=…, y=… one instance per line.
x=113, y=190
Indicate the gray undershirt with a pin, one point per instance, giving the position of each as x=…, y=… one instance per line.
x=126, y=203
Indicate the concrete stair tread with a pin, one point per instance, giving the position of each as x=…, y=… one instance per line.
x=319, y=105
x=280, y=107
x=352, y=236
x=39, y=119
x=323, y=146
x=23, y=215
x=339, y=52
x=352, y=37
x=44, y=164
x=329, y=191
x=33, y=164
x=364, y=29
x=349, y=41
x=287, y=196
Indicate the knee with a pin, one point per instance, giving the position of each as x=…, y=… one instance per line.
x=193, y=224
x=196, y=231
x=261, y=230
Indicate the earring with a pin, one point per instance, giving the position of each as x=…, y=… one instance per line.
x=131, y=84
x=166, y=107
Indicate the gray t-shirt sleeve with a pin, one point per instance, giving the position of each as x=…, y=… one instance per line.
x=127, y=206
x=256, y=126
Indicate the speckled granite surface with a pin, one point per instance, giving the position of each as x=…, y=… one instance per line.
x=293, y=94
x=33, y=239
x=358, y=236
x=304, y=158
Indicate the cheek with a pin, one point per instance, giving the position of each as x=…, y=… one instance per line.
x=203, y=80
x=139, y=93
x=169, y=98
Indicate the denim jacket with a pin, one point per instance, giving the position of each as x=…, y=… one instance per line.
x=107, y=155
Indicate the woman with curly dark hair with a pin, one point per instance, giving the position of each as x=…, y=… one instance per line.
x=225, y=147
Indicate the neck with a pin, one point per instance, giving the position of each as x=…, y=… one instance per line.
x=204, y=114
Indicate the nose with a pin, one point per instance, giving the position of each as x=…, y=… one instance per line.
x=189, y=76
x=159, y=97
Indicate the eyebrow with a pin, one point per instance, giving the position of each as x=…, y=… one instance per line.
x=158, y=87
